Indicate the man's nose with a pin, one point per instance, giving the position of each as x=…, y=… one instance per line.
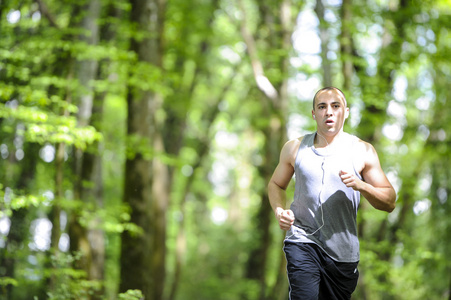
x=329, y=110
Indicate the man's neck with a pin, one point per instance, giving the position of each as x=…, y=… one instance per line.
x=323, y=140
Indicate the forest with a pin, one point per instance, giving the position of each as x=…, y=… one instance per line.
x=137, y=139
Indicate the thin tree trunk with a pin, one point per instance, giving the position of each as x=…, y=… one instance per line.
x=19, y=223
x=55, y=213
x=96, y=236
x=146, y=179
x=60, y=150
x=256, y=263
x=274, y=103
x=88, y=185
x=346, y=44
x=324, y=36
x=202, y=150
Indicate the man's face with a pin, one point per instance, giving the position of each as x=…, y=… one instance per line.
x=330, y=111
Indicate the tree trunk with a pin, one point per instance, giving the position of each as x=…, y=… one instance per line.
x=346, y=44
x=88, y=184
x=93, y=161
x=202, y=150
x=324, y=36
x=274, y=102
x=55, y=213
x=146, y=178
x=19, y=226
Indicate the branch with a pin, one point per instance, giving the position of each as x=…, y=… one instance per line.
x=45, y=12
x=262, y=81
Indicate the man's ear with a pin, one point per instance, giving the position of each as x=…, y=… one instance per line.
x=313, y=115
x=346, y=112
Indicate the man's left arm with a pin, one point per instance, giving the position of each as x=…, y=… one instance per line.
x=375, y=186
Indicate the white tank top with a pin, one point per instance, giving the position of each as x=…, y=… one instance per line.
x=325, y=209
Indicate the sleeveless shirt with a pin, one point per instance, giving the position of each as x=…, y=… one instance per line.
x=325, y=209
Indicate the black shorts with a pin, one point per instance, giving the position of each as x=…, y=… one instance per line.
x=313, y=275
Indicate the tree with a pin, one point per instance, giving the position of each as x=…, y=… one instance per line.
x=88, y=238
x=146, y=176
x=276, y=18
x=160, y=122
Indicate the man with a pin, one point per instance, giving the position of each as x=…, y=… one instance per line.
x=332, y=168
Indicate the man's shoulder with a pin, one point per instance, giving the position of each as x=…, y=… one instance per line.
x=290, y=149
x=365, y=154
x=293, y=144
x=296, y=142
x=363, y=146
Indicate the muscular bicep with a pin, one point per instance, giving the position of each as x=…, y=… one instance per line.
x=282, y=175
x=285, y=169
x=372, y=172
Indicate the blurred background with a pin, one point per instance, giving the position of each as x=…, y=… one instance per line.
x=137, y=139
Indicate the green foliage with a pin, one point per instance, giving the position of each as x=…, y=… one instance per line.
x=131, y=295
x=216, y=265
x=5, y=281
x=69, y=283
x=22, y=202
x=42, y=126
x=214, y=124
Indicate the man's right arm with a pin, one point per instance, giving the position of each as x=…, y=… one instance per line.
x=279, y=182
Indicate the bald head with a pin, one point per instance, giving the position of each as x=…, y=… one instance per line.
x=333, y=91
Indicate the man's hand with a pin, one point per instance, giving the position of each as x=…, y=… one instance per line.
x=350, y=180
x=285, y=217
